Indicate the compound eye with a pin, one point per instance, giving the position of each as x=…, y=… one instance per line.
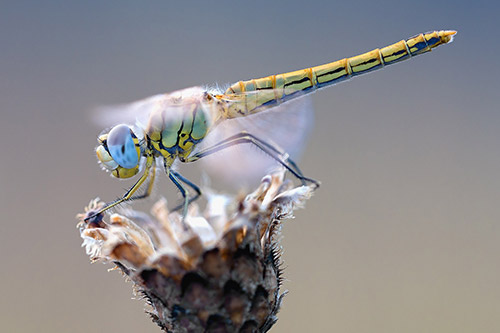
x=122, y=148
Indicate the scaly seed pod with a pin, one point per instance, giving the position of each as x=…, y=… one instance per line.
x=216, y=271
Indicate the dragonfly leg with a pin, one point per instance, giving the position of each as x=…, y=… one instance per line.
x=192, y=185
x=277, y=150
x=149, y=188
x=178, y=179
x=129, y=194
x=266, y=147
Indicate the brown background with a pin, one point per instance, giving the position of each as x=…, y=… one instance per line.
x=403, y=236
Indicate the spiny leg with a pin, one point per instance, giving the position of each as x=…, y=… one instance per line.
x=128, y=195
x=276, y=150
x=177, y=178
x=243, y=137
x=184, y=193
x=269, y=149
x=149, y=188
x=190, y=184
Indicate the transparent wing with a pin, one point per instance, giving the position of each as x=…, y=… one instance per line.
x=137, y=113
x=285, y=126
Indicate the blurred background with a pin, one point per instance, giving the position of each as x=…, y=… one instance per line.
x=403, y=235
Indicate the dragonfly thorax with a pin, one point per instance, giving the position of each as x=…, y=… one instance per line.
x=176, y=126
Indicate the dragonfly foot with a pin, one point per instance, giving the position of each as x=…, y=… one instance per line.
x=93, y=217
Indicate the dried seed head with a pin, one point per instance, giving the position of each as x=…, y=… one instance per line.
x=219, y=270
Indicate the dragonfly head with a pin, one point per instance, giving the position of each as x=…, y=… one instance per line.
x=119, y=151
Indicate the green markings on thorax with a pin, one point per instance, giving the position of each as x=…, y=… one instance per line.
x=174, y=131
x=200, y=125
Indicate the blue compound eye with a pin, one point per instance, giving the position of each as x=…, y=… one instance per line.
x=122, y=148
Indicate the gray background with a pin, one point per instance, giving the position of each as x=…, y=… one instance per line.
x=403, y=235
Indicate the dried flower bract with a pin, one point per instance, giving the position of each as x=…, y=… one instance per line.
x=213, y=271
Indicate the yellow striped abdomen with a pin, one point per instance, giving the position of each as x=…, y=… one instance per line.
x=247, y=97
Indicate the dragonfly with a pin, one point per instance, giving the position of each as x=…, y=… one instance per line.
x=169, y=127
